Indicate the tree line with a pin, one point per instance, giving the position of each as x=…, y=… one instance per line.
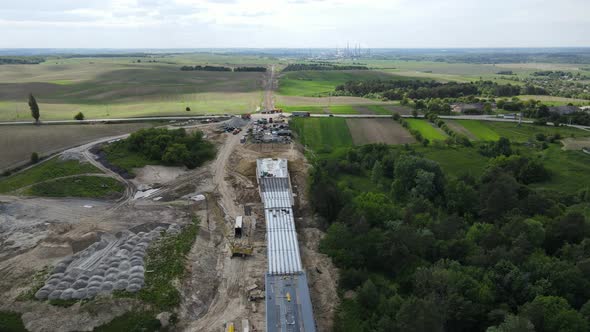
x=222, y=68
x=322, y=66
x=21, y=60
x=421, y=89
x=424, y=251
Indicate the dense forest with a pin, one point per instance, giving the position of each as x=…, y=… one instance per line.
x=421, y=89
x=171, y=147
x=20, y=60
x=322, y=66
x=425, y=251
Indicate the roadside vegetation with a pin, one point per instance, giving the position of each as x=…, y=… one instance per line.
x=51, y=169
x=159, y=147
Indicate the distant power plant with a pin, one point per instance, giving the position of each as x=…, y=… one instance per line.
x=355, y=52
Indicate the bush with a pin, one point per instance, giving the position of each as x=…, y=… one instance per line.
x=11, y=322
x=188, y=109
x=34, y=157
x=79, y=116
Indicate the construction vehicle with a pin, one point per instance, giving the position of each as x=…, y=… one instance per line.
x=241, y=250
x=240, y=245
x=230, y=327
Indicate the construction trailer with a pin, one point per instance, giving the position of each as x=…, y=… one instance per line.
x=288, y=303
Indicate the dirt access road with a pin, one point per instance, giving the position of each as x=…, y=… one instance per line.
x=269, y=87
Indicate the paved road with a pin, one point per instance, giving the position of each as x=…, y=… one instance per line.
x=452, y=117
x=158, y=118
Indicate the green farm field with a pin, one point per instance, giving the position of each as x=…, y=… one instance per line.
x=492, y=130
x=322, y=135
x=552, y=100
x=479, y=130
x=317, y=83
x=427, y=129
x=103, y=88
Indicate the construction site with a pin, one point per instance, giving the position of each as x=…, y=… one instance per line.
x=254, y=266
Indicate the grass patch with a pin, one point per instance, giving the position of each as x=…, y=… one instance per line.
x=515, y=132
x=132, y=321
x=456, y=161
x=343, y=109
x=52, y=169
x=570, y=170
x=118, y=154
x=11, y=322
x=322, y=135
x=166, y=259
x=479, y=130
x=427, y=130
x=380, y=110
x=80, y=186
x=38, y=281
x=62, y=82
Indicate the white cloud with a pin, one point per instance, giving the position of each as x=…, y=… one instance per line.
x=297, y=23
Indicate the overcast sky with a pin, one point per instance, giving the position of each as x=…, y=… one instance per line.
x=293, y=23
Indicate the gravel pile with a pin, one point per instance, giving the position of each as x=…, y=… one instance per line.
x=109, y=264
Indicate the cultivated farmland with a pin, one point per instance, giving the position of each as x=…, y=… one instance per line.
x=491, y=130
x=427, y=129
x=323, y=134
x=18, y=142
x=478, y=129
x=121, y=89
x=314, y=83
x=367, y=131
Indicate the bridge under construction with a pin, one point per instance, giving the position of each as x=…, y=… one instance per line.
x=288, y=304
